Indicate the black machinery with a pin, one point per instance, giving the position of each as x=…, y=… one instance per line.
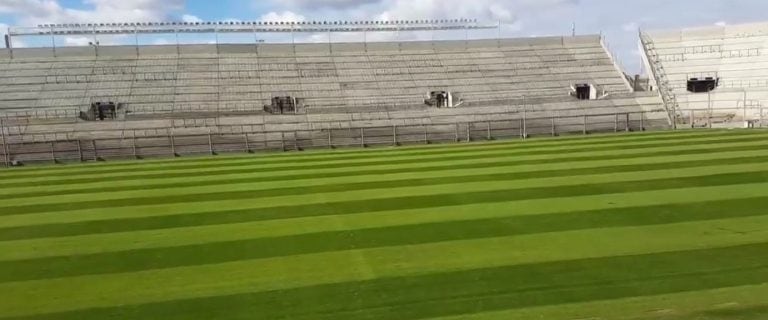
x=707, y=84
x=584, y=91
x=440, y=99
x=282, y=105
x=102, y=111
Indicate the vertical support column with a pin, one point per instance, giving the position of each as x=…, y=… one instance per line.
x=216, y=32
x=554, y=126
x=585, y=125
x=178, y=45
x=642, y=121
x=525, y=121
x=8, y=155
x=172, y=138
x=255, y=41
x=616, y=123
x=693, y=119
x=135, y=154
x=136, y=36
x=330, y=138
x=95, y=42
x=5, y=154
x=466, y=39
x=426, y=134
x=210, y=143
x=9, y=40
x=247, y=144
x=362, y=137
x=498, y=36
x=761, y=115
x=5, y=144
x=626, y=124
x=296, y=145
x=394, y=135
x=282, y=140
x=674, y=119
x=53, y=41
x=469, y=132
x=53, y=153
x=709, y=106
x=745, y=107
x=95, y=151
x=490, y=134
x=456, y=129
x=80, y=150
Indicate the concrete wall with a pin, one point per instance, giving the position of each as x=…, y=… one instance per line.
x=737, y=54
x=308, y=48
x=711, y=32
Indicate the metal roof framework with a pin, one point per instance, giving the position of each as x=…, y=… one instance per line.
x=136, y=28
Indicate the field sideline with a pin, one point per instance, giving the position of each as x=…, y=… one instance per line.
x=667, y=225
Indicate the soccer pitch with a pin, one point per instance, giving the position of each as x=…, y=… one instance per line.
x=639, y=226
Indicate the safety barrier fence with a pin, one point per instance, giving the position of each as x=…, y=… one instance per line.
x=17, y=152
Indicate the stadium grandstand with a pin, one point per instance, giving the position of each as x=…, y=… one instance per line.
x=104, y=101
x=711, y=76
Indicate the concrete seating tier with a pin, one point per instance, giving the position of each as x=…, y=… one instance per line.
x=736, y=54
x=342, y=76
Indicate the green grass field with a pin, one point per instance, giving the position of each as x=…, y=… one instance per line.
x=642, y=226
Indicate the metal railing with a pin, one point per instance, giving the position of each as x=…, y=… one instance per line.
x=754, y=116
x=660, y=75
x=167, y=143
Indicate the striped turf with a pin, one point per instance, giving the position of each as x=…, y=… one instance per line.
x=643, y=226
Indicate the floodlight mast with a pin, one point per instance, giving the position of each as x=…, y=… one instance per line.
x=94, y=29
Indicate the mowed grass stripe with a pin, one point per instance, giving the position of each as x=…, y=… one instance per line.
x=268, y=275
x=742, y=302
x=45, y=259
x=704, y=302
x=316, y=199
x=353, y=164
x=217, y=258
x=356, y=154
x=418, y=167
x=444, y=294
x=524, y=171
x=263, y=189
x=215, y=219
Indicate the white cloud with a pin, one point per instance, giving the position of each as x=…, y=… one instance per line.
x=491, y=10
x=630, y=27
x=287, y=16
x=721, y=23
x=432, y=9
x=190, y=18
x=335, y=4
x=33, y=12
x=78, y=41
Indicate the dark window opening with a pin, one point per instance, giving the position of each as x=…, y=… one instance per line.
x=585, y=91
x=282, y=105
x=707, y=84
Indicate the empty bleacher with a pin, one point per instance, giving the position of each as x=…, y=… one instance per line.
x=388, y=76
x=193, y=99
x=736, y=56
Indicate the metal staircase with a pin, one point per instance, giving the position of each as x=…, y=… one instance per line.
x=660, y=75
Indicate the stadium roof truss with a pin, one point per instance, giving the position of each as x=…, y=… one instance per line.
x=247, y=27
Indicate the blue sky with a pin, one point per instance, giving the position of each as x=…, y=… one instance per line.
x=617, y=19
